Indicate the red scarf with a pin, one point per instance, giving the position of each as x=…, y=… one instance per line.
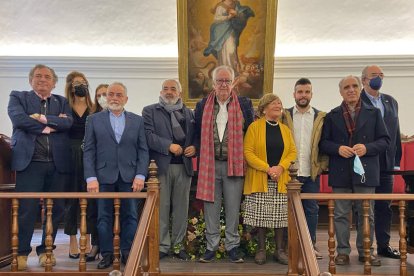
x=235, y=159
x=349, y=122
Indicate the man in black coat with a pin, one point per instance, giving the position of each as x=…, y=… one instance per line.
x=353, y=131
x=372, y=77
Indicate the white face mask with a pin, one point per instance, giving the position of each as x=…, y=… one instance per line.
x=102, y=102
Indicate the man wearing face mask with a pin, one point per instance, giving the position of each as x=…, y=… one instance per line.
x=350, y=132
x=372, y=78
x=169, y=128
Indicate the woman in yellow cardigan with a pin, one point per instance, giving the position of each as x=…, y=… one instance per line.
x=269, y=148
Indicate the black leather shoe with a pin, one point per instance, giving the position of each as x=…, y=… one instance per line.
x=389, y=252
x=182, y=255
x=106, y=261
x=74, y=256
x=163, y=255
x=94, y=254
x=124, y=258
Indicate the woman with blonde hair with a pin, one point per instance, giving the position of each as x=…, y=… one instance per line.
x=269, y=148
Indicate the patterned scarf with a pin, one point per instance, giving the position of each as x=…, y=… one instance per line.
x=349, y=122
x=235, y=159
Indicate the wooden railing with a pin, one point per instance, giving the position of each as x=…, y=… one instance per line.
x=143, y=258
x=301, y=257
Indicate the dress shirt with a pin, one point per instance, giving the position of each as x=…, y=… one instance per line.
x=222, y=118
x=377, y=102
x=302, y=126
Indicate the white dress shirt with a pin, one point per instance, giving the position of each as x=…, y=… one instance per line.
x=222, y=118
x=302, y=126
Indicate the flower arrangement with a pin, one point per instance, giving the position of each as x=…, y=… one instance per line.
x=196, y=244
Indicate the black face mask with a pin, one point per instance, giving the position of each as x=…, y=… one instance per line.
x=81, y=90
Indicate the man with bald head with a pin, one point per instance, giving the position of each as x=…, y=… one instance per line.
x=372, y=78
x=353, y=136
x=169, y=128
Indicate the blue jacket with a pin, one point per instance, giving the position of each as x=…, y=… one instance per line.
x=159, y=135
x=392, y=155
x=25, y=129
x=370, y=131
x=105, y=159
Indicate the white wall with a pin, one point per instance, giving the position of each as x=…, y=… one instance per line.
x=143, y=77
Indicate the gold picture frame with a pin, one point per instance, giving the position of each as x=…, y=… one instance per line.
x=253, y=42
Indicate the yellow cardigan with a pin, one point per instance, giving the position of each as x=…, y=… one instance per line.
x=255, y=154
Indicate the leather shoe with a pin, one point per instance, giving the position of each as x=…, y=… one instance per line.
x=342, y=259
x=375, y=261
x=389, y=252
x=163, y=255
x=182, y=255
x=106, y=261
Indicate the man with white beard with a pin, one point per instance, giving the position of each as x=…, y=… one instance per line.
x=115, y=160
x=169, y=128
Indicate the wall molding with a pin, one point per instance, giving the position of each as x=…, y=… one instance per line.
x=155, y=68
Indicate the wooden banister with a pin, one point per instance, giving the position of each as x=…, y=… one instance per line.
x=144, y=256
x=302, y=260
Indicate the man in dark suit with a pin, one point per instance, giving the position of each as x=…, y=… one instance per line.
x=353, y=131
x=115, y=160
x=221, y=120
x=41, y=152
x=372, y=77
x=169, y=127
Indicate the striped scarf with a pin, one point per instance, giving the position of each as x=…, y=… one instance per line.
x=235, y=159
x=349, y=122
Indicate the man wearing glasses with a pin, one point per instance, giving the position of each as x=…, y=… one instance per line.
x=372, y=77
x=221, y=119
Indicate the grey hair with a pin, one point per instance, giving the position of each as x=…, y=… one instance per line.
x=347, y=77
x=177, y=82
x=223, y=68
x=41, y=66
x=120, y=84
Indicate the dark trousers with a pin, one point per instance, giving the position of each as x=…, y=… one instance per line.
x=77, y=183
x=128, y=217
x=310, y=206
x=38, y=177
x=383, y=211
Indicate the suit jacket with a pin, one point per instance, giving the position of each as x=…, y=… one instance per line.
x=159, y=135
x=392, y=155
x=25, y=129
x=105, y=159
x=370, y=131
x=245, y=105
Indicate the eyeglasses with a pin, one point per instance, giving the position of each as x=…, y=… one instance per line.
x=224, y=81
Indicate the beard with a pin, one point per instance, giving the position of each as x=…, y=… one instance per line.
x=115, y=107
x=170, y=101
x=302, y=102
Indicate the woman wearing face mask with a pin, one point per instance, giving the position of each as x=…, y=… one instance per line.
x=77, y=93
x=100, y=97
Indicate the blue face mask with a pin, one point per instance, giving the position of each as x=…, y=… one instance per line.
x=359, y=169
x=375, y=83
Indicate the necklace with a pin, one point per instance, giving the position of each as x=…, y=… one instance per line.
x=272, y=124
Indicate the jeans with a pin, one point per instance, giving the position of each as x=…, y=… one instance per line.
x=310, y=206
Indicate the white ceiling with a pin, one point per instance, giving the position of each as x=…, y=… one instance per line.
x=142, y=28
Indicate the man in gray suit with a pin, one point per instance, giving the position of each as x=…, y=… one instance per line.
x=115, y=160
x=169, y=127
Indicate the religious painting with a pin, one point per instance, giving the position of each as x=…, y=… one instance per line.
x=237, y=33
